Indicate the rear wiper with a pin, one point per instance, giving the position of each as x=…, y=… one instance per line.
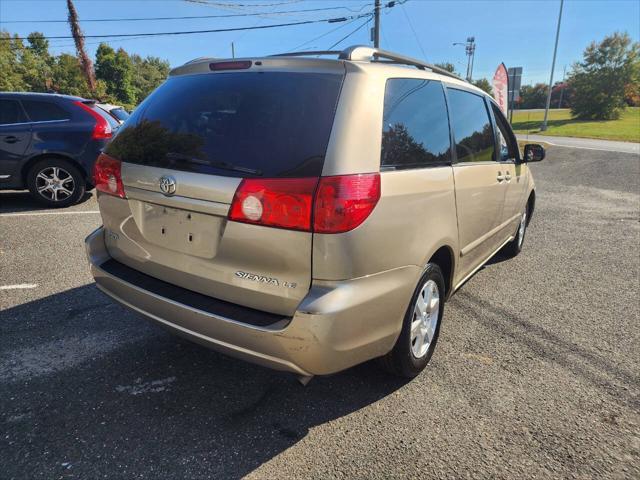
x=213, y=163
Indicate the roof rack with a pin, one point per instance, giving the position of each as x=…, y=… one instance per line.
x=363, y=53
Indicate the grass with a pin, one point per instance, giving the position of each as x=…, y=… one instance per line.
x=560, y=124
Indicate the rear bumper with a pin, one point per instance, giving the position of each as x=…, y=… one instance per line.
x=336, y=326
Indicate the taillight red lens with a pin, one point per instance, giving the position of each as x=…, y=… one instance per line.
x=107, y=175
x=339, y=203
x=102, y=130
x=343, y=202
x=275, y=202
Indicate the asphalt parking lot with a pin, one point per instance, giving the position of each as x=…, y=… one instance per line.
x=535, y=376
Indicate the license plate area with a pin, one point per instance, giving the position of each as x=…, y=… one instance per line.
x=179, y=230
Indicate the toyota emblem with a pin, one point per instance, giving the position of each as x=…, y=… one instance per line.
x=167, y=185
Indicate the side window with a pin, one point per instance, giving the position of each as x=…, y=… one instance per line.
x=506, y=140
x=415, y=128
x=471, y=126
x=39, y=111
x=10, y=112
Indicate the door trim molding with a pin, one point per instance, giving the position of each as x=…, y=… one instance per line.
x=481, y=264
x=483, y=238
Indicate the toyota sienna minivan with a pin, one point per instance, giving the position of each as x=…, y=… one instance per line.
x=308, y=214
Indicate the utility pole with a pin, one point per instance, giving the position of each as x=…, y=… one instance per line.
x=233, y=50
x=564, y=71
x=470, y=50
x=78, y=38
x=472, y=44
x=376, y=24
x=553, y=65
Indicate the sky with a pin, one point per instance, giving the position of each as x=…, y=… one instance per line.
x=516, y=32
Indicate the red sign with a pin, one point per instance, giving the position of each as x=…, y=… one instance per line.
x=501, y=87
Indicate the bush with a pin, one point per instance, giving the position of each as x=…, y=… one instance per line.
x=599, y=81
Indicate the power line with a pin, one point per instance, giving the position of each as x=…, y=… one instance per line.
x=191, y=17
x=191, y=32
x=222, y=4
x=65, y=45
x=323, y=35
x=349, y=34
x=424, y=55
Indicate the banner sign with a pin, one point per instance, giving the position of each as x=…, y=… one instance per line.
x=501, y=87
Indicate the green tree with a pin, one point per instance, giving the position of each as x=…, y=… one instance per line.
x=68, y=77
x=148, y=73
x=599, y=81
x=115, y=68
x=38, y=44
x=533, y=96
x=122, y=79
x=561, y=91
x=11, y=76
x=449, y=67
x=37, y=63
x=483, y=84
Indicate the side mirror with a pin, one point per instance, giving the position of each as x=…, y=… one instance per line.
x=533, y=152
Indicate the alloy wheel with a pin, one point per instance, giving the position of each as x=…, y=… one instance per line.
x=426, y=314
x=522, y=228
x=55, y=184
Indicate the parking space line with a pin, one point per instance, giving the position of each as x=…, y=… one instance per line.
x=32, y=214
x=20, y=286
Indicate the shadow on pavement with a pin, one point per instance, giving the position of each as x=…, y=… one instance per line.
x=13, y=201
x=591, y=366
x=90, y=389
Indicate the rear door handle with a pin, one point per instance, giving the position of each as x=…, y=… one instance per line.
x=11, y=139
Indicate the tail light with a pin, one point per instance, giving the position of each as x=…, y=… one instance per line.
x=277, y=202
x=326, y=205
x=344, y=202
x=107, y=175
x=102, y=130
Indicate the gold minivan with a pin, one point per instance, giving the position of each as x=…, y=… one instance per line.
x=306, y=213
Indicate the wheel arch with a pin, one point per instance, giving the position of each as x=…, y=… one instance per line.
x=445, y=259
x=42, y=156
x=531, y=205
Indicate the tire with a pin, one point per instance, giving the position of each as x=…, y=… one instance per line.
x=56, y=183
x=409, y=357
x=514, y=247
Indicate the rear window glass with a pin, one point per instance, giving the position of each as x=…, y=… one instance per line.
x=10, y=112
x=112, y=121
x=44, y=111
x=119, y=113
x=274, y=124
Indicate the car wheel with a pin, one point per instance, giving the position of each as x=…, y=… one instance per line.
x=420, y=328
x=56, y=183
x=514, y=247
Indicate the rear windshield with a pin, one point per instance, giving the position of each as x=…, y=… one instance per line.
x=271, y=124
x=119, y=113
x=112, y=121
